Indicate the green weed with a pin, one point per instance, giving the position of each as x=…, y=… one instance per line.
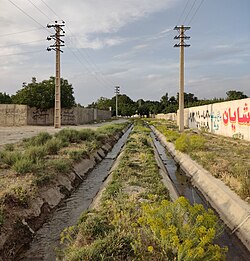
x=23, y=165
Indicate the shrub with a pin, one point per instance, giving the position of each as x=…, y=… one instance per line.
x=60, y=165
x=38, y=140
x=1, y=215
x=23, y=165
x=77, y=154
x=20, y=195
x=10, y=157
x=86, y=134
x=178, y=231
x=183, y=143
x=35, y=153
x=9, y=147
x=53, y=146
x=68, y=135
x=197, y=142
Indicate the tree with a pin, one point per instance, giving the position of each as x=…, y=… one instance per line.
x=42, y=94
x=235, y=95
x=5, y=98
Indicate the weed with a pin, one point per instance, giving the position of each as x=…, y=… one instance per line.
x=38, y=140
x=68, y=135
x=35, y=153
x=77, y=154
x=10, y=157
x=183, y=143
x=60, y=165
x=86, y=134
x=1, y=215
x=9, y=147
x=23, y=165
x=53, y=146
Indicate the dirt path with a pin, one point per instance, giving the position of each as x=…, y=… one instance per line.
x=17, y=133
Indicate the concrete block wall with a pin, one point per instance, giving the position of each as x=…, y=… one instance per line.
x=13, y=115
x=230, y=118
x=17, y=115
x=168, y=116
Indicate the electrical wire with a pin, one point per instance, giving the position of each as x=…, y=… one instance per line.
x=182, y=13
x=13, y=54
x=189, y=11
x=21, y=32
x=19, y=8
x=94, y=66
x=21, y=43
x=39, y=9
x=197, y=9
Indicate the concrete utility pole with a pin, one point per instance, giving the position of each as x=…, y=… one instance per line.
x=181, y=29
x=117, y=91
x=56, y=47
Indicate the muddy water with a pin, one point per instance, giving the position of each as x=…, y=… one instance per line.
x=236, y=250
x=46, y=241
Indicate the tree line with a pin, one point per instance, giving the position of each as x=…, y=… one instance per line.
x=42, y=95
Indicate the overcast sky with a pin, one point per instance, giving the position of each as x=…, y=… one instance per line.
x=128, y=43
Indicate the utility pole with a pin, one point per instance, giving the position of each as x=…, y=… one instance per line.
x=117, y=91
x=181, y=29
x=56, y=47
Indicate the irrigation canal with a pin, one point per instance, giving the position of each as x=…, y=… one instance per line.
x=236, y=250
x=46, y=240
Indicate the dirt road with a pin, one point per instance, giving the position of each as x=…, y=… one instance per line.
x=15, y=134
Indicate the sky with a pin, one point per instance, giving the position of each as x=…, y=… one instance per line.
x=128, y=43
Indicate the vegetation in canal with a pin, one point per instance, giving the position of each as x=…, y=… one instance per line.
x=225, y=158
x=135, y=219
x=37, y=161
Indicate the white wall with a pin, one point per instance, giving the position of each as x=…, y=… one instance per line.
x=230, y=118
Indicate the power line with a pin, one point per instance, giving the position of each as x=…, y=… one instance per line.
x=21, y=43
x=21, y=32
x=51, y=10
x=89, y=62
x=197, y=9
x=19, y=8
x=183, y=11
x=39, y=9
x=189, y=11
x=13, y=54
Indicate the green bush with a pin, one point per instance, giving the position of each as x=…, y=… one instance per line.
x=53, y=146
x=23, y=165
x=9, y=147
x=197, y=142
x=86, y=134
x=188, y=143
x=60, y=165
x=68, y=135
x=35, y=153
x=178, y=231
x=183, y=143
x=38, y=140
x=10, y=157
x=77, y=154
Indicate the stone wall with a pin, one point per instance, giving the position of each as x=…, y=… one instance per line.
x=13, y=115
x=17, y=115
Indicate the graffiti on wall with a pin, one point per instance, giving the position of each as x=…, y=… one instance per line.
x=215, y=120
x=200, y=119
x=239, y=116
